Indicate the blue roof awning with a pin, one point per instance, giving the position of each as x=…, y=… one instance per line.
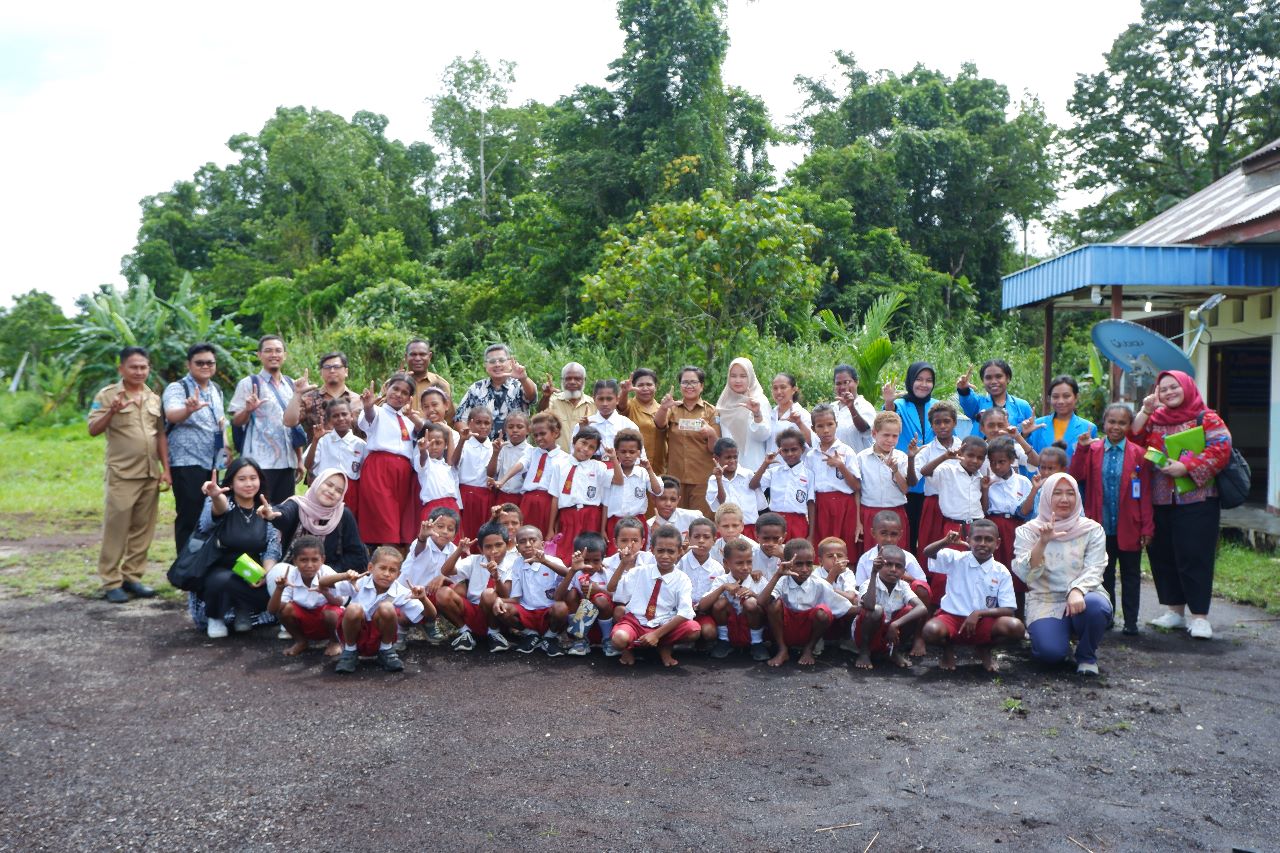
x=1153, y=267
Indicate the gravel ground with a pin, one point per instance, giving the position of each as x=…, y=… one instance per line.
x=125, y=728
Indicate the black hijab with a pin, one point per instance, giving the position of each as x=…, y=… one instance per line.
x=912, y=372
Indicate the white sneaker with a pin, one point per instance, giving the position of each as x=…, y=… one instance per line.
x=217, y=629
x=1169, y=620
x=1200, y=628
x=283, y=634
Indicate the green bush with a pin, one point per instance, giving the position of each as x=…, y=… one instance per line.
x=30, y=409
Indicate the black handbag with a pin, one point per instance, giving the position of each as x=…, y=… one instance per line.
x=1233, y=480
x=189, y=569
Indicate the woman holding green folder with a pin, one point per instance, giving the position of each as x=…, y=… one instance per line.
x=1184, y=497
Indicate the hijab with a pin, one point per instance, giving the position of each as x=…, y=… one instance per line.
x=1192, y=404
x=313, y=516
x=1072, y=527
x=912, y=372
x=735, y=417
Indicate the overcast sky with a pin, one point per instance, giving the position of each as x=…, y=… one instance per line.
x=103, y=103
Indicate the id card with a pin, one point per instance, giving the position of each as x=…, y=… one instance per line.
x=691, y=424
x=1135, y=488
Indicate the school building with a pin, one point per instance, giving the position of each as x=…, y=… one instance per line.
x=1225, y=240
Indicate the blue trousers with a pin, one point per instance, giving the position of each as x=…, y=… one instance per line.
x=1051, y=638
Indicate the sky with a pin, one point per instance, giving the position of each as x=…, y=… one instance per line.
x=102, y=104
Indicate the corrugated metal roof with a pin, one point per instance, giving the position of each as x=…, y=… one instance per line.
x=1231, y=200
x=1106, y=264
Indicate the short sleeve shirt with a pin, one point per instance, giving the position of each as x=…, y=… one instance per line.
x=132, y=433
x=267, y=440
x=194, y=441
x=312, y=405
x=688, y=459
x=503, y=400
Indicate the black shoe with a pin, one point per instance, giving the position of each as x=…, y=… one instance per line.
x=721, y=649
x=759, y=652
x=390, y=661
x=138, y=589
x=347, y=663
x=116, y=596
x=551, y=646
x=1130, y=630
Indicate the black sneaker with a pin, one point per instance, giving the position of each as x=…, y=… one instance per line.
x=551, y=645
x=499, y=643
x=116, y=596
x=347, y=662
x=390, y=661
x=759, y=652
x=138, y=589
x=529, y=643
x=721, y=650
x=1130, y=630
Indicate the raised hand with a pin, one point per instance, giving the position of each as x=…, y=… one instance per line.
x=577, y=562
x=1084, y=440
x=832, y=459
x=624, y=389
x=770, y=458
x=252, y=402
x=265, y=512
x=120, y=401
x=888, y=394
x=302, y=384
x=518, y=370
x=952, y=537
x=1047, y=533
x=464, y=432
x=210, y=487
x=784, y=569
x=708, y=430
x=1037, y=480
x=464, y=545
x=352, y=575
x=318, y=432
x=194, y=404
x=548, y=387
x=498, y=444
x=753, y=405
x=643, y=462
x=492, y=568
x=1149, y=403
x=418, y=592
x=626, y=557
x=369, y=395
x=718, y=470
x=424, y=532
x=887, y=459
x=1029, y=426
x=794, y=416
x=611, y=456
x=913, y=446
x=668, y=400
x=962, y=384
x=584, y=422
x=986, y=482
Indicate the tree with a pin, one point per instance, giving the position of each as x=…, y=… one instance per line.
x=683, y=280
x=1185, y=92
x=31, y=327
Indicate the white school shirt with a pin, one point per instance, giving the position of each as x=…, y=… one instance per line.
x=308, y=598
x=436, y=479
x=863, y=570
x=778, y=424
x=364, y=593
x=424, y=562
x=383, y=433
x=959, y=492
x=701, y=575
x=533, y=584
x=823, y=476
x=542, y=468
x=927, y=454
x=878, y=488
x=675, y=598
x=473, y=571
x=737, y=490
x=972, y=586
x=755, y=582
x=1006, y=496
x=760, y=561
x=632, y=497
x=608, y=428
x=681, y=518
x=473, y=462
x=790, y=487
x=891, y=601
x=587, y=487
x=1020, y=463
x=509, y=457
x=846, y=431
x=810, y=594
x=344, y=452
x=608, y=567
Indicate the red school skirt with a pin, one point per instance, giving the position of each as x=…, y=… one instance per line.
x=514, y=498
x=388, y=500
x=536, y=508
x=572, y=520
x=797, y=525
x=351, y=498
x=930, y=530
x=477, y=507
x=835, y=514
x=866, y=513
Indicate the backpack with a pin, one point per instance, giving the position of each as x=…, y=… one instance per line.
x=1233, y=480
x=297, y=435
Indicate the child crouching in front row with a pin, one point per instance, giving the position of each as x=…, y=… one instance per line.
x=658, y=599
x=800, y=606
x=889, y=610
x=307, y=611
x=734, y=603
x=377, y=604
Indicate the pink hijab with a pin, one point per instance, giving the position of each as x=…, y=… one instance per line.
x=1072, y=527
x=1192, y=404
x=313, y=516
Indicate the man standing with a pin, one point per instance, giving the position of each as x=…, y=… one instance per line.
x=570, y=405
x=307, y=407
x=417, y=361
x=131, y=415
x=197, y=437
x=258, y=405
x=508, y=389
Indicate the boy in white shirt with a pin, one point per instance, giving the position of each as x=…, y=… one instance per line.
x=306, y=611
x=605, y=420
x=1006, y=491
x=377, y=603
x=734, y=602
x=659, y=602
x=532, y=610
x=336, y=445
x=471, y=460
x=942, y=419
x=703, y=571
x=627, y=493
x=428, y=553
x=729, y=484
x=889, y=611
x=800, y=606
x=589, y=584
x=884, y=473
x=978, y=607
x=667, y=509
x=544, y=460
x=509, y=459
x=477, y=583
x=577, y=490
x=790, y=483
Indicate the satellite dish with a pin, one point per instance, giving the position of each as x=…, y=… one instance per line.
x=1139, y=350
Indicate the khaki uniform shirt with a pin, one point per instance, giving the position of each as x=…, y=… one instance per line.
x=432, y=379
x=655, y=440
x=131, y=435
x=568, y=413
x=688, y=459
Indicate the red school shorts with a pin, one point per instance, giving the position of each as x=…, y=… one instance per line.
x=797, y=625
x=371, y=637
x=534, y=620
x=687, y=630
x=739, y=629
x=797, y=525
x=930, y=526
x=311, y=621
x=878, y=644
x=981, y=635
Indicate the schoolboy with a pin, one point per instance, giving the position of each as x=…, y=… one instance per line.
x=532, y=609
x=633, y=481
x=730, y=484
x=427, y=555
x=889, y=612
x=510, y=458
x=885, y=474
x=1004, y=495
x=377, y=604
x=577, y=487
x=584, y=590
x=790, y=483
x=336, y=445
x=833, y=566
x=703, y=571
x=306, y=611
x=667, y=509
x=477, y=583
x=800, y=606
x=544, y=461
x=886, y=529
x=659, y=602
x=734, y=602
x=942, y=419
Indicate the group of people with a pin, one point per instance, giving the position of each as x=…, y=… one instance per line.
x=552, y=519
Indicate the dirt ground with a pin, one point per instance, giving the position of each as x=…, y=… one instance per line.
x=126, y=729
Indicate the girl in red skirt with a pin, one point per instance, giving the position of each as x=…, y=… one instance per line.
x=1004, y=498
x=388, y=497
x=578, y=491
x=471, y=459
x=437, y=479
x=945, y=445
x=883, y=472
x=835, y=486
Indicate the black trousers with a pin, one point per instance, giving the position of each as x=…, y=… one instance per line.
x=915, y=503
x=225, y=590
x=278, y=484
x=1183, y=551
x=188, y=499
x=1130, y=563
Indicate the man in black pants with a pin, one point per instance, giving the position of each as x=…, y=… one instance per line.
x=258, y=405
x=196, y=423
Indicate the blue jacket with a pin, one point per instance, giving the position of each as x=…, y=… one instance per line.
x=1042, y=438
x=1017, y=409
x=913, y=428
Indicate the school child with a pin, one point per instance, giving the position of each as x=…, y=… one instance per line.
x=585, y=590
x=832, y=465
x=1003, y=496
x=658, y=610
x=833, y=566
x=800, y=606
x=942, y=420
x=606, y=420
x=437, y=479
x=1052, y=460
x=667, y=509
x=306, y=611
x=884, y=475
x=387, y=512
x=960, y=485
x=730, y=484
x=734, y=603
x=337, y=446
x=994, y=423
x=977, y=609
x=1115, y=480
x=427, y=555
x=509, y=516
x=509, y=458
x=790, y=483
x=471, y=460
x=702, y=570
x=532, y=609
x=577, y=485
x=544, y=461
x=438, y=409
x=377, y=605
x=627, y=492
x=477, y=582
x=889, y=612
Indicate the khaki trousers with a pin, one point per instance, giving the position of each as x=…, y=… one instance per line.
x=128, y=526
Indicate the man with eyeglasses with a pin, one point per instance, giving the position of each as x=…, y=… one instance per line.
x=570, y=405
x=196, y=422
x=258, y=405
x=508, y=389
x=308, y=404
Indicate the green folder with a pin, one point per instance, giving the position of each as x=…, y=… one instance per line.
x=1187, y=441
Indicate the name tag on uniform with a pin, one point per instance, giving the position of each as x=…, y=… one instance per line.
x=1135, y=488
x=690, y=424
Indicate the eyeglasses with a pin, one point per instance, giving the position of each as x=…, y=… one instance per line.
x=335, y=366
x=496, y=360
x=690, y=381
x=204, y=363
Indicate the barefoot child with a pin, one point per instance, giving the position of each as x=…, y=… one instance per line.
x=377, y=604
x=886, y=529
x=833, y=566
x=667, y=509
x=729, y=484
x=306, y=611
x=659, y=602
x=544, y=461
x=734, y=602
x=388, y=511
x=509, y=459
x=703, y=571
x=437, y=479
x=627, y=494
x=883, y=474
x=477, y=582
x=577, y=488
x=800, y=606
x=790, y=483
x=471, y=460
x=532, y=609
x=832, y=464
x=889, y=612
x=977, y=609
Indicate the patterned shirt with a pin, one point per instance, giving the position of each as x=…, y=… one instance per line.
x=312, y=405
x=267, y=439
x=503, y=400
x=194, y=442
x=1112, y=463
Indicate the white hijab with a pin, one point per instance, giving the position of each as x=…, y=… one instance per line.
x=736, y=418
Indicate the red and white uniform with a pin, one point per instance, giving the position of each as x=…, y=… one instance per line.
x=959, y=492
x=344, y=452
x=424, y=562
x=737, y=490
x=701, y=575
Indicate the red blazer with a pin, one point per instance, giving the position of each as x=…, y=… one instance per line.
x=1134, y=517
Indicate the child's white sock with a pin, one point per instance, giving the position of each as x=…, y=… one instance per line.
x=722, y=632
x=757, y=635
x=348, y=647
x=606, y=627
x=494, y=632
x=550, y=634
x=385, y=647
